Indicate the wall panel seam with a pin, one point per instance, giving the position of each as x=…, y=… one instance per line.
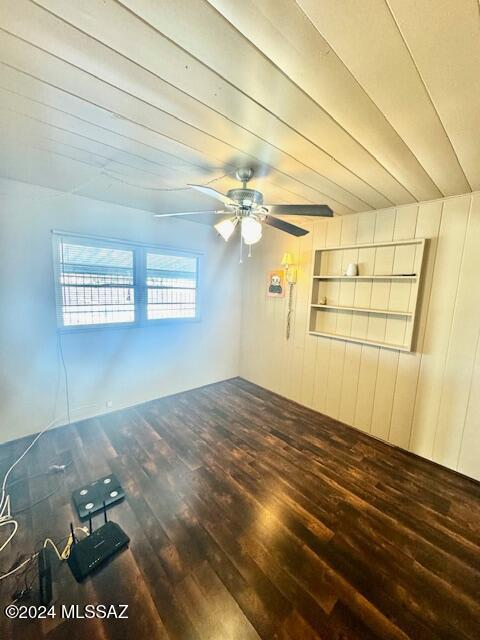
x=449, y=342
x=427, y=316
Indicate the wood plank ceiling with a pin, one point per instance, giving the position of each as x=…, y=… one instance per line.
x=360, y=105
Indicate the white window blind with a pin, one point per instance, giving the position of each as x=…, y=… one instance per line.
x=171, y=283
x=105, y=282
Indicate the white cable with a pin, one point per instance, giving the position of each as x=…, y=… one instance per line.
x=5, y=520
x=37, y=437
x=64, y=555
x=10, y=573
x=55, y=548
x=5, y=507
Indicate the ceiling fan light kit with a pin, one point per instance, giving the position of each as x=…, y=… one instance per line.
x=226, y=227
x=251, y=230
x=246, y=205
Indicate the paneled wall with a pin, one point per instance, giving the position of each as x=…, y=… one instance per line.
x=426, y=401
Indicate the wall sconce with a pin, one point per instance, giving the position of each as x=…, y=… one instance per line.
x=291, y=276
x=290, y=270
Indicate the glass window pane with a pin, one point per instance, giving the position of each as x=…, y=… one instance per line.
x=171, y=286
x=97, y=285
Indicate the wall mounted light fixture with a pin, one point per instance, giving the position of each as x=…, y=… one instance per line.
x=290, y=270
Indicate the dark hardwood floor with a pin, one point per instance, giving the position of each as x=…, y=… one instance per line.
x=250, y=516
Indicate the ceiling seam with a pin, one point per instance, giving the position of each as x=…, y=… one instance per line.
x=170, y=115
x=326, y=153
x=317, y=104
x=110, y=112
x=427, y=92
x=75, y=191
x=79, y=135
x=274, y=115
x=207, y=106
x=183, y=122
x=369, y=153
x=31, y=145
x=111, y=131
x=373, y=101
x=69, y=147
x=233, y=167
x=77, y=117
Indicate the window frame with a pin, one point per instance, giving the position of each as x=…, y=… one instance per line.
x=140, y=250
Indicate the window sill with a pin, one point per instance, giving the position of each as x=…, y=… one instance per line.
x=148, y=324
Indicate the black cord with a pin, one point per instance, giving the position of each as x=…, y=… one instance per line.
x=34, y=504
x=46, y=497
x=52, y=470
x=30, y=566
x=18, y=594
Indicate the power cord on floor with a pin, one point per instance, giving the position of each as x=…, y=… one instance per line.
x=65, y=554
x=54, y=469
x=6, y=517
x=22, y=561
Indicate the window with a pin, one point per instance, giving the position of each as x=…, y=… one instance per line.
x=96, y=284
x=105, y=282
x=172, y=284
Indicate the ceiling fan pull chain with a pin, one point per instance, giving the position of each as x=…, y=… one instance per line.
x=249, y=250
x=241, y=249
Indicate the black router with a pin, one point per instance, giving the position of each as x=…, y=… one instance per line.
x=91, y=498
x=91, y=552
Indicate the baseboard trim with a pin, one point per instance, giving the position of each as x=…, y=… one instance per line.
x=98, y=414
x=367, y=435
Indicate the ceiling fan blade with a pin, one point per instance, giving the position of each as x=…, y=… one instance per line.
x=292, y=229
x=184, y=213
x=213, y=193
x=300, y=210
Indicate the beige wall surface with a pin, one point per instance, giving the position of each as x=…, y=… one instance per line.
x=121, y=366
x=426, y=401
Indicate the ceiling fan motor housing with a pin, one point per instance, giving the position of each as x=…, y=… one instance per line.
x=251, y=195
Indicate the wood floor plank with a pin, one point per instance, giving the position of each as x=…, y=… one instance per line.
x=251, y=517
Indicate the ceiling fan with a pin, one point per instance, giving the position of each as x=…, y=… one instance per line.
x=245, y=206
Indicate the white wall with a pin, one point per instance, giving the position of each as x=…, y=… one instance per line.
x=427, y=401
x=126, y=366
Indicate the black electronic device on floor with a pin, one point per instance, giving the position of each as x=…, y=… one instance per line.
x=91, y=498
x=90, y=553
x=45, y=576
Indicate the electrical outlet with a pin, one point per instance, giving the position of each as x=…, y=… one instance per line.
x=109, y=404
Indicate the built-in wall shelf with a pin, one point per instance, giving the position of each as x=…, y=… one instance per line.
x=387, y=312
x=378, y=306
x=382, y=277
x=372, y=343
